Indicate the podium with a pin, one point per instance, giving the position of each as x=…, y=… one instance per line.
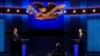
x=76, y=43
x=24, y=46
x=24, y=41
x=76, y=46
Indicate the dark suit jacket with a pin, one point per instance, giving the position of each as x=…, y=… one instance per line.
x=82, y=39
x=18, y=39
x=58, y=53
x=82, y=45
x=15, y=45
x=15, y=37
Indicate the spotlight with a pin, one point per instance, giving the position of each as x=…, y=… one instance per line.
x=27, y=11
x=65, y=11
x=17, y=10
x=83, y=10
x=8, y=10
x=74, y=11
x=94, y=10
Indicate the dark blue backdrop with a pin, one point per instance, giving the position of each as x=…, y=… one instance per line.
x=2, y=34
x=71, y=24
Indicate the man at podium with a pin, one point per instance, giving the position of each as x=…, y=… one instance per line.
x=81, y=36
x=15, y=43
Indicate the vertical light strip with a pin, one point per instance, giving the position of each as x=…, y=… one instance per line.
x=25, y=18
x=83, y=4
x=8, y=3
x=8, y=22
x=75, y=49
x=8, y=17
x=23, y=49
x=2, y=35
x=25, y=23
x=83, y=18
x=66, y=17
x=25, y=3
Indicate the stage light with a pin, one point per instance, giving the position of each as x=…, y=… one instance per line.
x=74, y=11
x=94, y=10
x=27, y=11
x=17, y=10
x=83, y=10
x=65, y=11
x=8, y=10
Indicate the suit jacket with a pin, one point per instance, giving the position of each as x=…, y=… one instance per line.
x=15, y=37
x=82, y=44
x=82, y=38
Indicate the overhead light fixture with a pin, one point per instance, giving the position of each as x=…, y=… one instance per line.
x=65, y=11
x=83, y=10
x=17, y=10
x=94, y=10
x=74, y=11
x=8, y=10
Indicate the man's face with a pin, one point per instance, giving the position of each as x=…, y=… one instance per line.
x=43, y=9
x=80, y=30
x=15, y=29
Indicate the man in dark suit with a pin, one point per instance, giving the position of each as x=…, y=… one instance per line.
x=15, y=43
x=58, y=51
x=81, y=36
